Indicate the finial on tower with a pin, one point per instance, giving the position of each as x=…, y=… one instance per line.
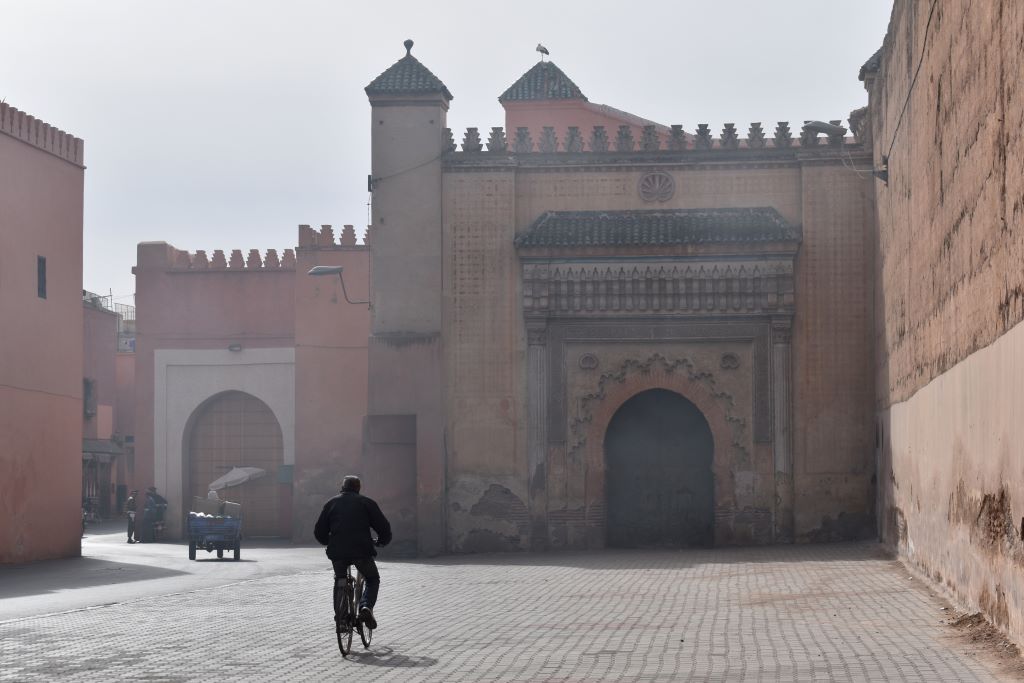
x=408, y=46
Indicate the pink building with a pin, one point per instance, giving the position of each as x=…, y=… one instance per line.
x=247, y=361
x=41, y=185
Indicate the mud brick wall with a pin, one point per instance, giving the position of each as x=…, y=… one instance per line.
x=950, y=297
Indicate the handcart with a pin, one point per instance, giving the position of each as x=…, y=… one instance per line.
x=214, y=525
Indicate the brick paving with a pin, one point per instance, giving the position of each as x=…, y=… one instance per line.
x=797, y=613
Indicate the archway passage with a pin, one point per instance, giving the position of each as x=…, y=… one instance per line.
x=658, y=481
x=235, y=429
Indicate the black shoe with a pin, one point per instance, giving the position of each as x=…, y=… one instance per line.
x=131, y=541
x=366, y=616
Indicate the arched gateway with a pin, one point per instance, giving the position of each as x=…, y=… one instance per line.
x=236, y=429
x=659, y=484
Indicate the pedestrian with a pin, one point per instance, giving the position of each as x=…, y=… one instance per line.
x=130, y=507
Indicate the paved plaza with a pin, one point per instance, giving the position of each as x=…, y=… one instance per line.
x=798, y=613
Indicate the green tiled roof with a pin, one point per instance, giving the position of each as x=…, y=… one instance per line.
x=657, y=227
x=407, y=76
x=544, y=81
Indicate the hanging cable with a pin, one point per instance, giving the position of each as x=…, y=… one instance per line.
x=920, y=61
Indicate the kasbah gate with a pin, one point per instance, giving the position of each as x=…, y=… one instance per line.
x=585, y=330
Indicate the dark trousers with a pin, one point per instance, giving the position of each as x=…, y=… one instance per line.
x=371, y=577
x=131, y=526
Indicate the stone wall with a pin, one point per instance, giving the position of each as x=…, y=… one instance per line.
x=950, y=296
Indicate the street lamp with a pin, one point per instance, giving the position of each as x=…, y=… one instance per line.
x=317, y=271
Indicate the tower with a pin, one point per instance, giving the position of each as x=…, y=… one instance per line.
x=404, y=430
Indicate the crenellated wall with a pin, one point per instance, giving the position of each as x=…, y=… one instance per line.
x=41, y=135
x=950, y=297
x=41, y=204
x=496, y=189
x=652, y=138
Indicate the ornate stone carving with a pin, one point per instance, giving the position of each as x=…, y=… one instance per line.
x=656, y=187
x=730, y=139
x=683, y=366
x=836, y=139
x=677, y=138
x=523, y=143
x=783, y=138
x=497, y=142
x=448, y=140
x=729, y=361
x=573, y=140
x=703, y=139
x=624, y=139
x=599, y=140
x=536, y=334
x=650, y=142
x=548, y=142
x=471, y=141
x=588, y=361
x=808, y=137
x=755, y=136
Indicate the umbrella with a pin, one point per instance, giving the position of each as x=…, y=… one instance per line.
x=237, y=475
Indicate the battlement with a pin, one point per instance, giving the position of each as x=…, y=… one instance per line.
x=182, y=260
x=600, y=140
x=37, y=133
x=309, y=238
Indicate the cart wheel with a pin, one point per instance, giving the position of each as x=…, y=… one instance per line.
x=220, y=553
x=238, y=549
x=191, y=550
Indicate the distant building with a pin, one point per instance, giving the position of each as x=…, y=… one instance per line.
x=246, y=361
x=41, y=189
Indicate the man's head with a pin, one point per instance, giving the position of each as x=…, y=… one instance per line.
x=351, y=483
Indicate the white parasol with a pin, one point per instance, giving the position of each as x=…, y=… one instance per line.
x=237, y=475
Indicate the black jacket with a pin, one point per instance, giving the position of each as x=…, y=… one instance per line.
x=345, y=523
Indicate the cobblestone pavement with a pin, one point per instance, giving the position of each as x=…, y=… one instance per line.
x=795, y=613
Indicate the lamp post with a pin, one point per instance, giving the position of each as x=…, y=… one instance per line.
x=318, y=271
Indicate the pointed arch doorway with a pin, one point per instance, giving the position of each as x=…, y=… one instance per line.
x=659, y=485
x=236, y=429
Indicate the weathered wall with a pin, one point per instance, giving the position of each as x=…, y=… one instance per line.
x=330, y=373
x=833, y=432
x=486, y=344
x=41, y=186
x=949, y=282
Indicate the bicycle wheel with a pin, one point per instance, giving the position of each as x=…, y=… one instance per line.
x=343, y=617
x=365, y=633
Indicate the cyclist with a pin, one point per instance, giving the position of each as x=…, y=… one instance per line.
x=344, y=527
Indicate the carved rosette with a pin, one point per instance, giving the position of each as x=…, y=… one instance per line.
x=656, y=187
x=588, y=361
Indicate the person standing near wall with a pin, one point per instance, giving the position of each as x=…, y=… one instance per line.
x=130, y=507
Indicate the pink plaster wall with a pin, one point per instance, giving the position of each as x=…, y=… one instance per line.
x=99, y=351
x=180, y=307
x=330, y=377
x=41, y=363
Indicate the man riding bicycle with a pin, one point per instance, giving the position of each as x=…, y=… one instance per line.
x=344, y=527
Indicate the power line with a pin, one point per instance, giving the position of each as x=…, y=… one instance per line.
x=920, y=61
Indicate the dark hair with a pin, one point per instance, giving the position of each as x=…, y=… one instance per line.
x=351, y=483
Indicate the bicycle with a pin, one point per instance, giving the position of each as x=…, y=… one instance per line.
x=347, y=591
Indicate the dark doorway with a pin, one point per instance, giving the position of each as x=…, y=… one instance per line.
x=658, y=481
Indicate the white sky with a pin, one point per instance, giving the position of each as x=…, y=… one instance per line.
x=222, y=124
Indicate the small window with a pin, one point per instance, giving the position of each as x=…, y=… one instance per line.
x=88, y=397
x=41, y=276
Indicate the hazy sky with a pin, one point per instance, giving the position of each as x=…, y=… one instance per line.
x=224, y=124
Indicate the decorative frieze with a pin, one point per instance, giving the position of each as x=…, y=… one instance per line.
x=650, y=141
x=471, y=141
x=548, y=142
x=729, y=140
x=599, y=140
x=677, y=138
x=783, y=138
x=523, y=143
x=703, y=139
x=573, y=140
x=624, y=139
x=755, y=136
x=697, y=288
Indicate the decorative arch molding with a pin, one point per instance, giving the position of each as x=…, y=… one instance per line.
x=186, y=379
x=589, y=425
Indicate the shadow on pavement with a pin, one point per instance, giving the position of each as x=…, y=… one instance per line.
x=386, y=656
x=50, y=576
x=644, y=559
